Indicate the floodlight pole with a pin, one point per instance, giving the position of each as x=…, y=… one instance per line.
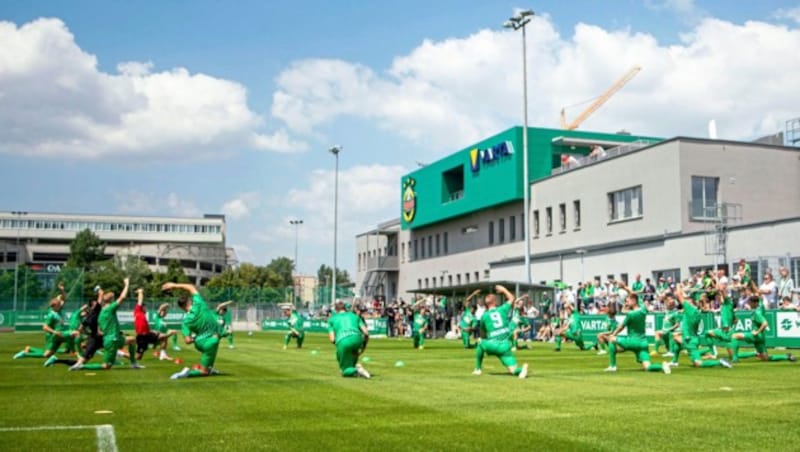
x=518, y=22
x=335, y=151
x=296, y=224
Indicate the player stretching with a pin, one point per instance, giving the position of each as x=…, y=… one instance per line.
x=468, y=322
x=636, y=341
x=166, y=333
x=727, y=319
x=573, y=331
x=420, y=325
x=496, y=333
x=224, y=320
x=113, y=339
x=350, y=336
x=672, y=321
x=757, y=336
x=519, y=324
x=200, y=327
x=295, y=323
x=611, y=326
x=54, y=330
x=690, y=337
x=144, y=335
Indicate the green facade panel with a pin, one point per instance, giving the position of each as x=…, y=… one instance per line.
x=488, y=173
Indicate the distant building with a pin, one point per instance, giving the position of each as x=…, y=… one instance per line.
x=305, y=286
x=41, y=240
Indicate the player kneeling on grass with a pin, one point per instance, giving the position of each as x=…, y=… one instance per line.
x=756, y=337
x=113, y=338
x=519, y=324
x=689, y=338
x=611, y=326
x=672, y=321
x=144, y=335
x=200, y=328
x=636, y=341
x=496, y=333
x=54, y=332
x=572, y=330
x=224, y=320
x=468, y=323
x=349, y=334
x=295, y=323
x=165, y=333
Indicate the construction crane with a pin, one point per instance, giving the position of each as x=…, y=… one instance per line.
x=599, y=101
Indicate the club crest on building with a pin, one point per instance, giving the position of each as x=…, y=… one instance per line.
x=409, y=200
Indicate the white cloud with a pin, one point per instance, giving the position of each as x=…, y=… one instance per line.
x=139, y=203
x=243, y=252
x=241, y=206
x=56, y=102
x=450, y=93
x=790, y=14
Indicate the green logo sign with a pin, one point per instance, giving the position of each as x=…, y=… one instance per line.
x=786, y=324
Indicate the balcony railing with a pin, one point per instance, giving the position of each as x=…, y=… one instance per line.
x=613, y=152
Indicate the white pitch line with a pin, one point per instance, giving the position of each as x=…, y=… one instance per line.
x=47, y=427
x=106, y=441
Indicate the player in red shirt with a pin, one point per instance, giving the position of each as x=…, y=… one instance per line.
x=144, y=336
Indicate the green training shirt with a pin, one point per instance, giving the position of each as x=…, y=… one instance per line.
x=295, y=322
x=200, y=320
x=420, y=322
x=107, y=320
x=343, y=325
x=495, y=323
x=53, y=320
x=635, y=322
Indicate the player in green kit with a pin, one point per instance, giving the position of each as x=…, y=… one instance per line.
x=636, y=341
x=113, y=338
x=757, y=337
x=496, y=334
x=611, y=326
x=224, y=320
x=349, y=334
x=689, y=337
x=161, y=326
x=419, y=326
x=572, y=330
x=520, y=324
x=468, y=322
x=727, y=319
x=672, y=321
x=200, y=328
x=295, y=324
x=54, y=333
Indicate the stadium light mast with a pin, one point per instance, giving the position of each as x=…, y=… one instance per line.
x=518, y=22
x=335, y=151
x=16, y=267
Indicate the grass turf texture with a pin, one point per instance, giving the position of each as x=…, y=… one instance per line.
x=274, y=399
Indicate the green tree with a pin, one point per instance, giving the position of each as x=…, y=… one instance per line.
x=324, y=275
x=85, y=249
x=283, y=267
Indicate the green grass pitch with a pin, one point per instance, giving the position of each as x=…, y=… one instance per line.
x=274, y=399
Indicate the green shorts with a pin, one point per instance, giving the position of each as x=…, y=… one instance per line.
x=207, y=346
x=347, y=351
x=638, y=346
x=759, y=342
x=500, y=349
x=110, y=347
x=720, y=333
x=52, y=342
x=574, y=335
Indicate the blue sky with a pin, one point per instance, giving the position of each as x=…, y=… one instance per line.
x=184, y=108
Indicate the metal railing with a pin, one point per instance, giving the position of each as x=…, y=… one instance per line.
x=613, y=152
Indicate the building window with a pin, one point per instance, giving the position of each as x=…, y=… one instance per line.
x=470, y=229
x=562, y=217
x=577, y=211
x=501, y=230
x=445, y=244
x=426, y=283
x=421, y=254
x=430, y=246
x=491, y=233
x=704, y=197
x=449, y=280
x=674, y=273
x=522, y=226
x=512, y=228
x=536, y=223
x=453, y=184
x=476, y=277
x=402, y=252
x=466, y=278
x=438, y=244
x=458, y=279
x=549, y=220
x=625, y=204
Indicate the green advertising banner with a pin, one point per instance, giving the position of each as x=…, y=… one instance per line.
x=375, y=326
x=6, y=320
x=783, y=330
x=33, y=320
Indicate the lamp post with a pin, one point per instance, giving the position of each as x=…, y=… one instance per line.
x=16, y=266
x=296, y=224
x=581, y=252
x=518, y=22
x=335, y=151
